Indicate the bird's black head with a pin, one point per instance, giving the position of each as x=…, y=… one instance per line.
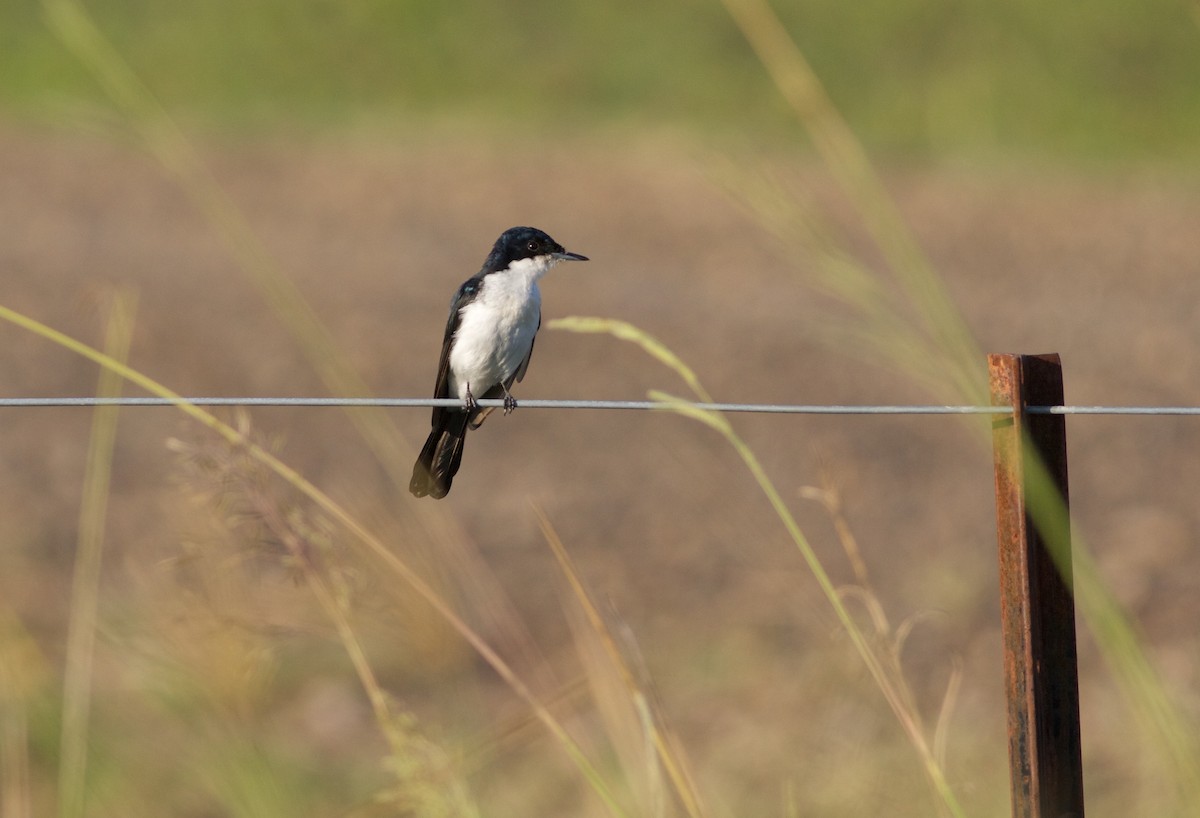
x=517, y=243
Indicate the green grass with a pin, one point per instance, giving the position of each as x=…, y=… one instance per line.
x=1104, y=80
x=221, y=680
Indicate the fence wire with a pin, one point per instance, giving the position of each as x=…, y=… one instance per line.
x=766, y=408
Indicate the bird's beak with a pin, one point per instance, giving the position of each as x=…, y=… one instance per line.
x=566, y=255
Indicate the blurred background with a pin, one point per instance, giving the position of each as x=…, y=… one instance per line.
x=293, y=220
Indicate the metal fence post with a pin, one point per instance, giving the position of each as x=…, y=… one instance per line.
x=1036, y=603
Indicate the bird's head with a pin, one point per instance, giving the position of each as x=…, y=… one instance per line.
x=527, y=243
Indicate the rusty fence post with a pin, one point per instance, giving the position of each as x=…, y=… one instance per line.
x=1036, y=603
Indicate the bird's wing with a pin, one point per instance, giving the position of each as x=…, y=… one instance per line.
x=467, y=293
x=520, y=373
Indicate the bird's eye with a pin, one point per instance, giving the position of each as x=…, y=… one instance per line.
x=533, y=245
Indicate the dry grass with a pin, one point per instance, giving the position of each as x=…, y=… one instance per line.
x=759, y=689
x=239, y=658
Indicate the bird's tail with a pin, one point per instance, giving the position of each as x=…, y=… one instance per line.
x=440, y=457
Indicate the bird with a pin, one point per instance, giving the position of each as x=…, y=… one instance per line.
x=494, y=318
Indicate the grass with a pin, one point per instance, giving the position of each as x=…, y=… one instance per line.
x=938, y=334
x=256, y=455
x=85, y=589
x=263, y=499
x=922, y=77
x=883, y=666
x=240, y=472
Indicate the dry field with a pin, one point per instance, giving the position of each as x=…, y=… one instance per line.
x=209, y=652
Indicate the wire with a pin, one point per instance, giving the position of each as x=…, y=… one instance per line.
x=1114, y=410
x=770, y=408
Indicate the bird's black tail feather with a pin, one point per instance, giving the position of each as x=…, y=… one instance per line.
x=440, y=457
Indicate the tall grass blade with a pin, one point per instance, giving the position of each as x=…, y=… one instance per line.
x=661, y=750
x=85, y=587
x=448, y=558
x=1171, y=734
x=628, y=332
x=847, y=160
x=371, y=543
x=24, y=674
x=943, y=340
x=894, y=694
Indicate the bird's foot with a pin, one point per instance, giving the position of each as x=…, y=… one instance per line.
x=510, y=403
x=470, y=401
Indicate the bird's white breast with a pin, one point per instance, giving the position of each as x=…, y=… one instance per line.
x=496, y=330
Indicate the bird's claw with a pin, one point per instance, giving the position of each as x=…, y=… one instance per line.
x=470, y=401
x=510, y=403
